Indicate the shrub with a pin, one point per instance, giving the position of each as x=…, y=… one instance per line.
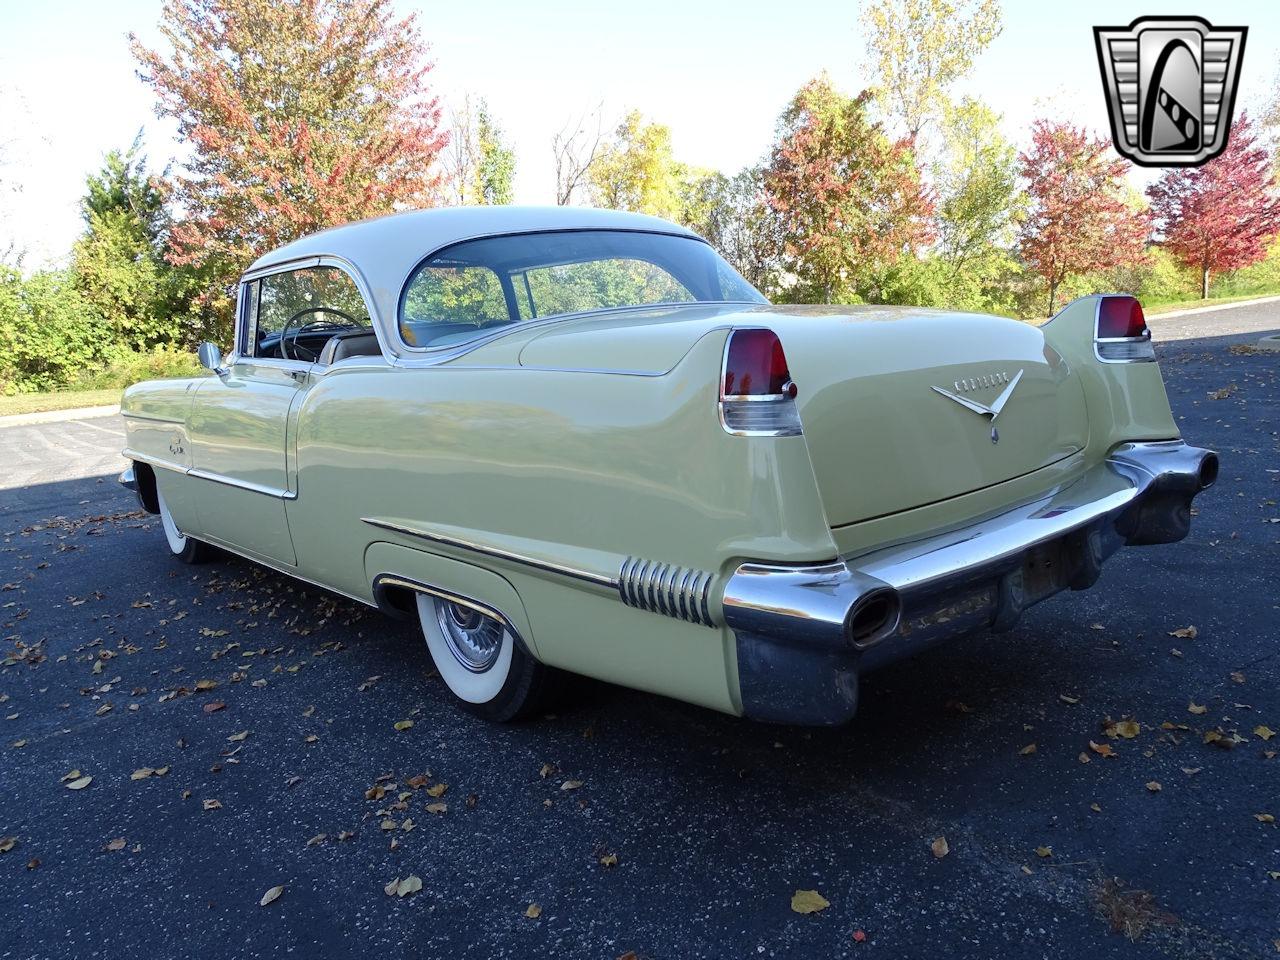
x=125, y=367
x=48, y=334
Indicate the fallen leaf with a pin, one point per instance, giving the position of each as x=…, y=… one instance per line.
x=213, y=804
x=1126, y=728
x=271, y=896
x=1185, y=633
x=1274, y=874
x=1154, y=786
x=1264, y=817
x=438, y=790
x=418, y=781
x=1197, y=708
x=318, y=838
x=1095, y=808
x=206, y=684
x=213, y=706
x=390, y=888
x=533, y=911
x=1044, y=852
x=1102, y=749
x=238, y=737
x=859, y=936
x=1237, y=676
x=609, y=860
x=7, y=844
x=19, y=744
x=808, y=901
x=70, y=776
x=437, y=807
x=79, y=783
x=33, y=863
x=309, y=711
x=410, y=884
x=1096, y=626
x=1066, y=699
x=1191, y=771
x=571, y=785
x=403, y=725
x=1263, y=731
x=1026, y=751
x=940, y=847
x=389, y=825
x=547, y=770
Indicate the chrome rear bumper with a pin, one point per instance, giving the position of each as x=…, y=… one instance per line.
x=805, y=633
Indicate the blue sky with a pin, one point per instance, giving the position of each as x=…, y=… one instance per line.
x=718, y=73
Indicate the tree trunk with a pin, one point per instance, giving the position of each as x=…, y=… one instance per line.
x=1053, y=295
x=1204, y=283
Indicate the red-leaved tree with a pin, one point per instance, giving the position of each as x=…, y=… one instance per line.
x=1078, y=219
x=849, y=200
x=300, y=114
x=1223, y=215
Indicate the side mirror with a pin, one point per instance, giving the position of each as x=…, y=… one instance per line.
x=211, y=357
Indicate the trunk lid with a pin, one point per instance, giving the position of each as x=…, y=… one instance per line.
x=897, y=404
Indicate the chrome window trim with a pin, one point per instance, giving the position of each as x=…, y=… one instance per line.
x=305, y=263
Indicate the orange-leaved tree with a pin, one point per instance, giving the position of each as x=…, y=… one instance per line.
x=849, y=200
x=299, y=115
x=1078, y=219
x=1221, y=216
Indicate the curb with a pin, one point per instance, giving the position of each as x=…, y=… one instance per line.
x=55, y=416
x=1157, y=317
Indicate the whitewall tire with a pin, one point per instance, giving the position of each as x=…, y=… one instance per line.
x=481, y=662
x=185, y=548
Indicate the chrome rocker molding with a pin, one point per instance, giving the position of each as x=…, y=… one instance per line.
x=805, y=633
x=209, y=475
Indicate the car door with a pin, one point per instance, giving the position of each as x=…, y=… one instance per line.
x=240, y=426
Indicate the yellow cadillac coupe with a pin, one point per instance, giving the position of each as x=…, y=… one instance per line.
x=577, y=440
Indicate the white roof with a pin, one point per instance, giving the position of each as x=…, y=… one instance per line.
x=385, y=249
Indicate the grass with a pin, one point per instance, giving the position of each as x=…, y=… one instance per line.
x=1192, y=304
x=58, y=400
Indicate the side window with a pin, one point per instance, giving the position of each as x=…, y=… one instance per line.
x=596, y=285
x=298, y=311
x=444, y=300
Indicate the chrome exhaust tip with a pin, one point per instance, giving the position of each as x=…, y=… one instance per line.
x=874, y=616
x=1207, y=474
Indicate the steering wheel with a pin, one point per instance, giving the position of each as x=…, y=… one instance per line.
x=289, y=349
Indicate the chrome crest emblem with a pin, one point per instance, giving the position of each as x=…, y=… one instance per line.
x=991, y=410
x=1170, y=84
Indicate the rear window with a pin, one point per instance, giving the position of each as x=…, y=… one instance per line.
x=463, y=291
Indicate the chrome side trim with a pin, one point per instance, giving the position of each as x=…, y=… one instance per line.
x=151, y=419
x=209, y=475
x=129, y=454
x=498, y=553
x=383, y=580
x=242, y=484
x=683, y=593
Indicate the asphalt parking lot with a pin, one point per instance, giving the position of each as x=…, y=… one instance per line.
x=240, y=732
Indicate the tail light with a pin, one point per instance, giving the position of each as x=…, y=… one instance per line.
x=1121, y=335
x=757, y=394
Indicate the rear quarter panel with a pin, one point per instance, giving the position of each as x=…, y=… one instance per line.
x=573, y=468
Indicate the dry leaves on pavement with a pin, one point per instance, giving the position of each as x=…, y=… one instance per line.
x=809, y=901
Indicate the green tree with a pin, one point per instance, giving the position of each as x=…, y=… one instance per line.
x=920, y=48
x=849, y=200
x=48, y=333
x=979, y=206
x=300, y=114
x=734, y=215
x=637, y=170
x=118, y=264
x=480, y=166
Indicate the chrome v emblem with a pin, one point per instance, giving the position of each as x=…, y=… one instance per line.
x=983, y=410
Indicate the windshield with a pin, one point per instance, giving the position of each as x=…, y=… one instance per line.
x=465, y=290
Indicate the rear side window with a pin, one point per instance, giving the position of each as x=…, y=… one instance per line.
x=463, y=291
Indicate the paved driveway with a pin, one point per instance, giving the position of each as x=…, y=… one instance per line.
x=300, y=779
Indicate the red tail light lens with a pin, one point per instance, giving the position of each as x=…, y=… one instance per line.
x=1122, y=335
x=757, y=395
x=755, y=366
x=1120, y=317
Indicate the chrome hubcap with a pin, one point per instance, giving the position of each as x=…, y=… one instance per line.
x=472, y=638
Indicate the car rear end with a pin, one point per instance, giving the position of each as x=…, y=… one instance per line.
x=969, y=467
